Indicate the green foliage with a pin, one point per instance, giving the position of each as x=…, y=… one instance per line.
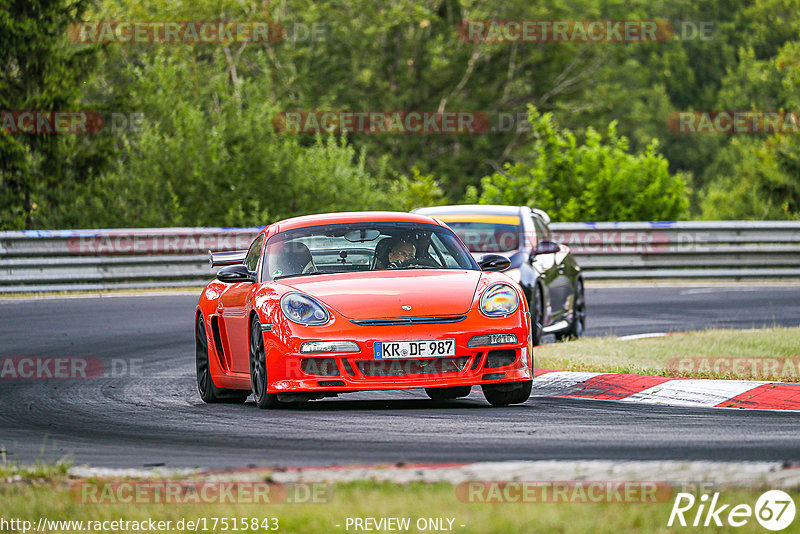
x=207, y=152
x=755, y=179
x=41, y=71
x=37, y=472
x=597, y=180
x=758, y=176
x=416, y=191
x=224, y=165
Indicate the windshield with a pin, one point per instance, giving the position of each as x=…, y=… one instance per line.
x=485, y=234
x=338, y=248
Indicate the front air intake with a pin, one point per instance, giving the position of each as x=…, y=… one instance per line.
x=410, y=321
x=319, y=366
x=422, y=366
x=500, y=358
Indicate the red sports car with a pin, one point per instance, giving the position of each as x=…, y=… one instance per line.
x=341, y=302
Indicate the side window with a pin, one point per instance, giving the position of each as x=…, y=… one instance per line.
x=251, y=260
x=547, y=235
x=542, y=231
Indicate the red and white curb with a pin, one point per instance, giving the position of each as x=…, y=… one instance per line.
x=755, y=395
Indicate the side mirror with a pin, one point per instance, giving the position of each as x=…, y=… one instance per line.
x=494, y=262
x=546, y=247
x=235, y=273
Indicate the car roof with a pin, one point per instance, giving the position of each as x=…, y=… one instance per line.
x=477, y=213
x=350, y=217
x=471, y=209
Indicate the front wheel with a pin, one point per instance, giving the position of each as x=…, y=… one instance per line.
x=577, y=326
x=205, y=385
x=258, y=368
x=507, y=393
x=537, y=316
x=454, y=392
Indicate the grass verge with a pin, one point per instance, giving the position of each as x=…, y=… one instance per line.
x=766, y=354
x=55, y=500
x=41, y=471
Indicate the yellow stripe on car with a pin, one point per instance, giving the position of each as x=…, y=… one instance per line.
x=496, y=219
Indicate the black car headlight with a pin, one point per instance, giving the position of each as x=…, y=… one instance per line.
x=499, y=300
x=304, y=309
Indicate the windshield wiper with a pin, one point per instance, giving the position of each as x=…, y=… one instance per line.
x=312, y=273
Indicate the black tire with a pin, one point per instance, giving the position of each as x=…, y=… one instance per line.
x=577, y=326
x=205, y=385
x=536, y=309
x=448, y=393
x=258, y=368
x=508, y=393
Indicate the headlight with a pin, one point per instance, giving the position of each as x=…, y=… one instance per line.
x=499, y=300
x=329, y=346
x=303, y=309
x=514, y=274
x=492, y=339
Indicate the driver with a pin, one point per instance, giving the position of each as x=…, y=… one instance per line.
x=401, y=251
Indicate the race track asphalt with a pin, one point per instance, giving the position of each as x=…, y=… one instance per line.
x=155, y=417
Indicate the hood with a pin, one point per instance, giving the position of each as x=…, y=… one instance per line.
x=381, y=294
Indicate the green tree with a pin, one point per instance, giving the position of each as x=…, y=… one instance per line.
x=42, y=71
x=416, y=191
x=757, y=176
x=207, y=153
x=755, y=179
x=215, y=158
x=598, y=180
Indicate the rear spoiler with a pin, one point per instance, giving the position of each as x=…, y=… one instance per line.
x=234, y=257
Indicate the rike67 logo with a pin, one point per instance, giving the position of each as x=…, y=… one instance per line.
x=774, y=510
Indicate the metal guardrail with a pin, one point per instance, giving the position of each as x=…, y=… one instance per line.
x=698, y=249
x=63, y=260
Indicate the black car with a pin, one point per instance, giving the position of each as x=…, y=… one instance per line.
x=547, y=271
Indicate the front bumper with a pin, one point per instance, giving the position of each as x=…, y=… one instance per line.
x=342, y=372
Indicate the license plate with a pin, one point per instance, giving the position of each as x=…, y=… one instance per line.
x=433, y=348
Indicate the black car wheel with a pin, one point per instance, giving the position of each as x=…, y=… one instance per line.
x=258, y=368
x=577, y=326
x=454, y=392
x=205, y=385
x=507, y=393
x=537, y=316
